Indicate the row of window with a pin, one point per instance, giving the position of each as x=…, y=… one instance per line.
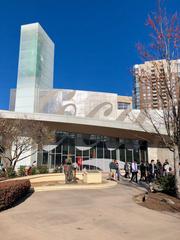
x=53, y=160
x=123, y=105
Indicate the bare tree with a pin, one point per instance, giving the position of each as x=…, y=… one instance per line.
x=20, y=139
x=165, y=80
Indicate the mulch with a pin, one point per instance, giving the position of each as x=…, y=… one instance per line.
x=155, y=201
x=2, y=178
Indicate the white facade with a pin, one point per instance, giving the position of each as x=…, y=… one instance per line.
x=78, y=103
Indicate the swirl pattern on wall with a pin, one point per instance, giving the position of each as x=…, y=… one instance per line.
x=78, y=103
x=99, y=107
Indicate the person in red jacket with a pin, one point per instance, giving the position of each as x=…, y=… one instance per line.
x=80, y=162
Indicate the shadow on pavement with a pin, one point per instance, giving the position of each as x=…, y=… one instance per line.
x=23, y=199
x=128, y=183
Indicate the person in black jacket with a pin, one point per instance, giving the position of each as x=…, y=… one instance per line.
x=159, y=169
x=152, y=171
x=143, y=171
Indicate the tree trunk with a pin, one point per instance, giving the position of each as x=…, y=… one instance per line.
x=14, y=164
x=176, y=171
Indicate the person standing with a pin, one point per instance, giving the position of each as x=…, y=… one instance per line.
x=170, y=171
x=134, y=171
x=80, y=162
x=68, y=169
x=75, y=166
x=152, y=171
x=117, y=170
x=166, y=168
x=113, y=169
x=159, y=169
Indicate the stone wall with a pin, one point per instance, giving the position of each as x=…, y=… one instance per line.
x=161, y=154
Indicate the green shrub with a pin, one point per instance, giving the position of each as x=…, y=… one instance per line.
x=55, y=170
x=39, y=170
x=2, y=174
x=34, y=170
x=11, y=172
x=58, y=169
x=167, y=183
x=21, y=171
x=42, y=169
x=11, y=191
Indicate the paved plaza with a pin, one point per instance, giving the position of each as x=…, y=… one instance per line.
x=87, y=214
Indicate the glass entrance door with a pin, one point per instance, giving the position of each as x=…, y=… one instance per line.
x=129, y=155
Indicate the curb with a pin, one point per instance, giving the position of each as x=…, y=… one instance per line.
x=75, y=187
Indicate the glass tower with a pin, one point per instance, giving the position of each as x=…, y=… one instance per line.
x=36, y=66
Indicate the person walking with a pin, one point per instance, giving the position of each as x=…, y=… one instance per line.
x=143, y=171
x=126, y=169
x=134, y=171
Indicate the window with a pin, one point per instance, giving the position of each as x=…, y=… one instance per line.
x=123, y=105
x=106, y=153
x=100, y=150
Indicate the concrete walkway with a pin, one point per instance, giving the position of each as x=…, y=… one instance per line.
x=62, y=186
x=87, y=215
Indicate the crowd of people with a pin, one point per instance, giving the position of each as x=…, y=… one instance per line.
x=146, y=172
x=133, y=171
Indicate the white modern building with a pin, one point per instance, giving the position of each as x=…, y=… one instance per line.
x=90, y=125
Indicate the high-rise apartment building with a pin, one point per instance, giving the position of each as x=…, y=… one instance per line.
x=36, y=66
x=150, y=79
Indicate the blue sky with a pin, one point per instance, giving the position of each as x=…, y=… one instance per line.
x=94, y=41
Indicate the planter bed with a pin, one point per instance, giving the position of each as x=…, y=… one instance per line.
x=12, y=191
